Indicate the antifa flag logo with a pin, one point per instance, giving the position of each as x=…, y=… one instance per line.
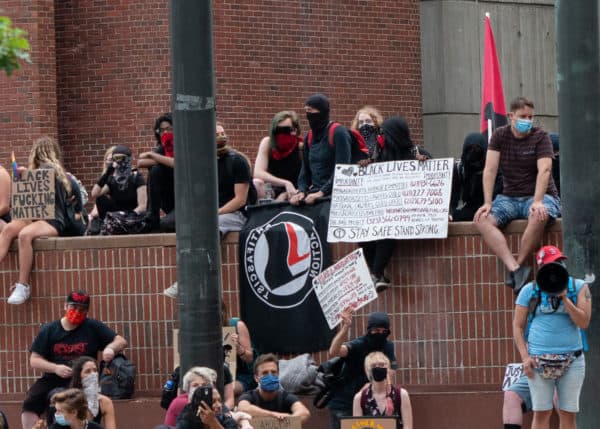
x=281, y=258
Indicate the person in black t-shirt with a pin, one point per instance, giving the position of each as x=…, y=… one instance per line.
x=120, y=188
x=5, y=187
x=279, y=157
x=58, y=344
x=160, y=163
x=234, y=175
x=269, y=399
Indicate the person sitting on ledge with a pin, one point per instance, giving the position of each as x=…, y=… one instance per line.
x=524, y=154
x=5, y=187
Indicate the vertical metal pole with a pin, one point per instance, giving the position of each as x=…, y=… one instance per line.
x=198, y=257
x=579, y=109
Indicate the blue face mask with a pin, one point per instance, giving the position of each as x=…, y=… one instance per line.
x=523, y=125
x=269, y=383
x=60, y=419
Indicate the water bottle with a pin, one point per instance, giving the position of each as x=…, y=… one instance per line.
x=169, y=385
x=268, y=191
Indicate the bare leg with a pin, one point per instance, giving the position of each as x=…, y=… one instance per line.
x=541, y=419
x=496, y=240
x=26, y=237
x=512, y=413
x=567, y=420
x=8, y=234
x=28, y=419
x=532, y=236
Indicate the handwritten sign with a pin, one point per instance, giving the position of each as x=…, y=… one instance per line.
x=32, y=195
x=291, y=422
x=396, y=199
x=367, y=422
x=230, y=349
x=345, y=283
x=513, y=372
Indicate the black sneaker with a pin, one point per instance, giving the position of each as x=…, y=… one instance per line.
x=382, y=283
x=520, y=277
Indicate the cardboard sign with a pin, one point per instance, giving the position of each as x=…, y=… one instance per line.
x=230, y=349
x=291, y=422
x=367, y=422
x=346, y=283
x=32, y=196
x=396, y=199
x=513, y=372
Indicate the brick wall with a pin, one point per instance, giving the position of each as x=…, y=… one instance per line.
x=450, y=312
x=106, y=75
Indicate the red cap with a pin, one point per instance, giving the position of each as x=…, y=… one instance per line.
x=548, y=254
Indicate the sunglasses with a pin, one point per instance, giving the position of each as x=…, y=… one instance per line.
x=119, y=157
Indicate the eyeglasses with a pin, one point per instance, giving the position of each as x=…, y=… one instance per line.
x=164, y=130
x=119, y=157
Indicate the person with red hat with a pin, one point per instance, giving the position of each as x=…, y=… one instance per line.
x=549, y=316
x=61, y=342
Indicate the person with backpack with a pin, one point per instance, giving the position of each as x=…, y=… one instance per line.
x=381, y=397
x=326, y=144
x=120, y=188
x=59, y=343
x=549, y=317
x=279, y=158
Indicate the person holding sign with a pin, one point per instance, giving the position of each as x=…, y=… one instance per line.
x=549, y=316
x=523, y=153
x=354, y=352
x=269, y=399
x=5, y=185
x=279, y=157
x=381, y=397
x=45, y=155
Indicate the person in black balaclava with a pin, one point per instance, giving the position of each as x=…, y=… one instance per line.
x=321, y=155
x=354, y=353
x=467, y=182
x=120, y=188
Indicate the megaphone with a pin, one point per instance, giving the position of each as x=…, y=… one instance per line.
x=552, y=278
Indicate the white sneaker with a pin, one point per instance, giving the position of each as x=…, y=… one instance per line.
x=20, y=294
x=171, y=291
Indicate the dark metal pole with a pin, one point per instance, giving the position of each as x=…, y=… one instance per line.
x=579, y=110
x=198, y=258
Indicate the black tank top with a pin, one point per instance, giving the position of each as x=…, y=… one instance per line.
x=287, y=168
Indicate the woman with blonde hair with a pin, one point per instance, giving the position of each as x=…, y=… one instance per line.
x=381, y=397
x=45, y=154
x=71, y=411
x=367, y=122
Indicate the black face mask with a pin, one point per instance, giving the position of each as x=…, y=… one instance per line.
x=318, y=120
x=379, y=373
x=369, y=133
x=377, y=341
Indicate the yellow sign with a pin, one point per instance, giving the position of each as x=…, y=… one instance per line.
x=368, y=422
x=291, y=422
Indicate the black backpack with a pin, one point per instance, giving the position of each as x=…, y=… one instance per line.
x=121, y=223
x=169, y=391
x=117, y=379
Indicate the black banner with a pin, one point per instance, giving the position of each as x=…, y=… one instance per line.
x=282, y=248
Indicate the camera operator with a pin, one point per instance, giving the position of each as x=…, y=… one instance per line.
x=548, y=319
x=354, y=353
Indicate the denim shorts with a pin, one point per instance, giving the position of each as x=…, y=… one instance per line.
x=521, y=388
x=506, y=209
x=568, y=388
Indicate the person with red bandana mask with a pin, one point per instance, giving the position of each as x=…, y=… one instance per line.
x=61, y=342
x=279, y=157
x=161, y=176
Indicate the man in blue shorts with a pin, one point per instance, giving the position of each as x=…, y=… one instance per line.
x=524, y=155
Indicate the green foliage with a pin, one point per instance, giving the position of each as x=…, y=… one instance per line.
x=13, y=46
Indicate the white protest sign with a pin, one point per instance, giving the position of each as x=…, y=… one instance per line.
x=346, y=283
x=396, y=199
x=513, y=372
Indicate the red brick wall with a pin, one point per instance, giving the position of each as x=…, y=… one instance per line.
x=450, y=312
x=108, y=75
x=29, y=95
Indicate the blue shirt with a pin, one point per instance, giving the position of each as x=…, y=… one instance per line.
x=551, y=331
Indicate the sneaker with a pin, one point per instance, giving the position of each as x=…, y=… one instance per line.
x=20, y=294
x=382, y=283
x=520, y=277
x=171, y=291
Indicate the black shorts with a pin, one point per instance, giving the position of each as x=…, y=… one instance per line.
x=59, y=227
x=37, y=400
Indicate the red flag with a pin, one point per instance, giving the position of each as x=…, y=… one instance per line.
x=492, y=95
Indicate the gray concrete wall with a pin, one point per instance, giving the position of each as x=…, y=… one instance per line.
x=452, y=35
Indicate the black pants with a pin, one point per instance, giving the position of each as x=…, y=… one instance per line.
x=378, y=254
x=105, y=204
x=161, y=191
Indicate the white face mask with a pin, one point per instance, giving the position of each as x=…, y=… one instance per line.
x=91, y=387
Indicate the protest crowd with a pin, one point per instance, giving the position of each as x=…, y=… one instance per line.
x=513, y=176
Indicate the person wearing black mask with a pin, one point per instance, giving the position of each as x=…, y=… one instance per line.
x=467, y=179
x=368, y=122
x=321, y=156
x=381, y=397
x=354, y=353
